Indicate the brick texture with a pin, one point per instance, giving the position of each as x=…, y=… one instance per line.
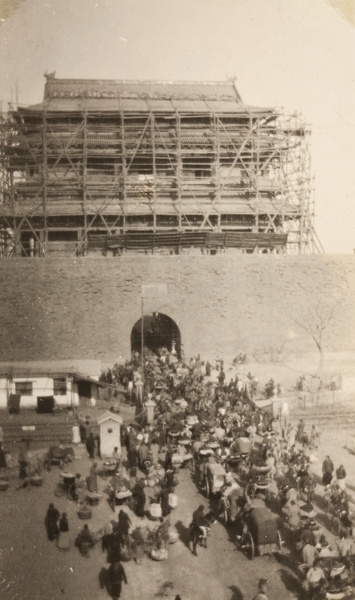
x=85, y=308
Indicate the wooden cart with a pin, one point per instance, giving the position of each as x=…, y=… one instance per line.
x=260, y=533
x=215, y=478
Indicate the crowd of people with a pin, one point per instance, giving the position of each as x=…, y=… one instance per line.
x=214, y=416
x=200, y=419
x=194, y=414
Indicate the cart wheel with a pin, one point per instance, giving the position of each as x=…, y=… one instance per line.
x=279, y=542
x=59, y=491
x=248, y=545
x=337, y=526
x=208, y=489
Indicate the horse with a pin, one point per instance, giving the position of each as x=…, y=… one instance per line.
x=198, y=534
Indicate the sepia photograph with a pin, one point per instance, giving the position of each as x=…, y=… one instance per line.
x=177, y=300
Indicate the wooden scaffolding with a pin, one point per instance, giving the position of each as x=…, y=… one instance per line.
x=103, y=166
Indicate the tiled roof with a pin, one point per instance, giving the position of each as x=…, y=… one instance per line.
x=163, y=90
x=108, y=105
x=65, y=95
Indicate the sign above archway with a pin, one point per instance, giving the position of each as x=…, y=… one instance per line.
x=151, y=290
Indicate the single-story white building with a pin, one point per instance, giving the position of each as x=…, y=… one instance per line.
x=110, y=433
x=41, y=386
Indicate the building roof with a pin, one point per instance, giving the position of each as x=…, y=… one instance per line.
x=27, y=370
x=107, y=415
x=144, y=90
x=91, y=367
x=66, y=95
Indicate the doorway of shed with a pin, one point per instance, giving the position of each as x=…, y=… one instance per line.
x=159, y=331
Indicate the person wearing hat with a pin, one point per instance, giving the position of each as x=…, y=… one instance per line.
x=92, y=479
x=309, y=554
x=199, y=517
x=340, y=474
x=327, y=470
x=84, y=541
x=132, y=458
x=293, y=513
x=139, y=498
x=90, y=445
x=124, y=523
x=79, y=490
x=315, y=578
x=63, y=540
x=116, y=457
x=115, y=484
x=261, y=595
x=154, y=450
x=346, y=545
x=116, y=575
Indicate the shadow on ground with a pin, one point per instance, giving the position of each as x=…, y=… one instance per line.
x=184, y=534
x=237, y=594
x=291, y=583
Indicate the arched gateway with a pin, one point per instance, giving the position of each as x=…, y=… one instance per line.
x=158, y=330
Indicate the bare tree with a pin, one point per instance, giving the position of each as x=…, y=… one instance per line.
x=316, y=322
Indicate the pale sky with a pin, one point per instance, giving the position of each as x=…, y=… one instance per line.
x=298, y=55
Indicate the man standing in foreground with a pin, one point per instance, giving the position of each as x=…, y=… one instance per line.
x=117, y=574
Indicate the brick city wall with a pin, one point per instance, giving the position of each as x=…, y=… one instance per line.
x=85, y=308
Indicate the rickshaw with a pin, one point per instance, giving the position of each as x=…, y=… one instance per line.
x=239, y=454
x=338, y=510
x=66, y=486
x=260, y=533
x=233, y=504
x=259, y=481
x=215, y=478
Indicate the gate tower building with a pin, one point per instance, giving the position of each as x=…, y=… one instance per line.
x=116, y=167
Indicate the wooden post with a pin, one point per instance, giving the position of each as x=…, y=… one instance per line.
x=217, y=173
x=84, y=240
x=124, y=170
x=178, y=172
x=142, y=338
x=152, y=135
x=43, y=247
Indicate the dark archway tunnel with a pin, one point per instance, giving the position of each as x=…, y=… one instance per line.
x=159, y=331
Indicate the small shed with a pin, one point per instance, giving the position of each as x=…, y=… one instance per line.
x=110, y=433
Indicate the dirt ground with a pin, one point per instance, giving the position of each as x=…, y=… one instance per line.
x=32, y=568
